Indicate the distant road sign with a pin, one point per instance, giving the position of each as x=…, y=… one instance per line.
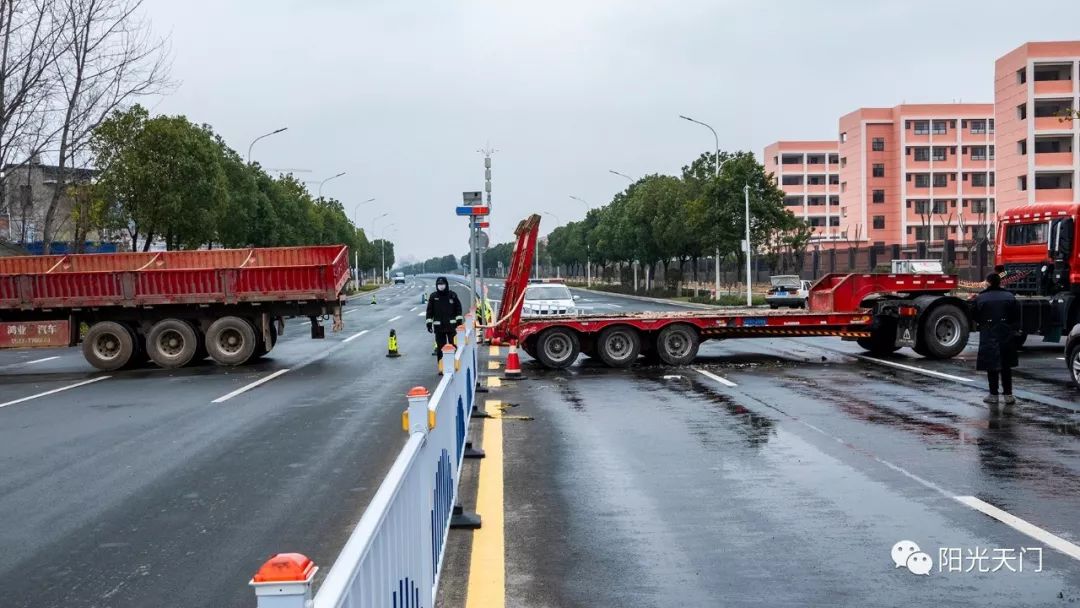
x=472, y=198
x=483, y=224
x=482, y=240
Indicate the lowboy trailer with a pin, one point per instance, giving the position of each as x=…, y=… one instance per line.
x=882, y=312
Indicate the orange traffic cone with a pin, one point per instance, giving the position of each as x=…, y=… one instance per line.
x=513, y=363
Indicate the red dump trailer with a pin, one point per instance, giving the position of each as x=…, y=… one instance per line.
x=882, y=312
x=173, y=307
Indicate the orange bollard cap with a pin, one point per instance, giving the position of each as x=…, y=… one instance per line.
x=449, y=348
x=418, y=391
x=285, y=567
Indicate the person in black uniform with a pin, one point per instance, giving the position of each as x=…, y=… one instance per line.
x=997, y=315
x=443, y=314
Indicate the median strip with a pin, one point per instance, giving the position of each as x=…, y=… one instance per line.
x=487, y=565
x=244, y=389
x=56, y=390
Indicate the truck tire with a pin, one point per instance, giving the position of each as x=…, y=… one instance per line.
x=108, y=346
x=677, y=344
x=882, y=340
x=557, y=347
x=1073, y=361
x=231, y=341
x=943, y=334
x=619, y=345
x=172, y=343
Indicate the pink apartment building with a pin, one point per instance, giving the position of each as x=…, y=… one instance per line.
x=809, y=174
x=1034, y=86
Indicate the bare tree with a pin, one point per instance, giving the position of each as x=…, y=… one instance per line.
x=108, y=58
x=29, y=44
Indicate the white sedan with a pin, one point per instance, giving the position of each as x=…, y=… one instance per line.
x=548, y=299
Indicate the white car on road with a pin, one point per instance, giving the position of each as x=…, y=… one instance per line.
x=787, y=290
x=548, y=299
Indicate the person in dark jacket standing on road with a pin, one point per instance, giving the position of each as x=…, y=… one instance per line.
x=997, y=315
x=443, y=313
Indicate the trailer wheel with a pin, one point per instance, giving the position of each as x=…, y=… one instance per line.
x=231, y=341
x=108, y=346
x=677, y=344
x=557, y=347
x=172, y=343
x=943, y=333
x=882, y=340
x=619, y=345
x=1073, y=361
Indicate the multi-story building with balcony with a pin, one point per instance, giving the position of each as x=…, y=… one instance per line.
x=809, y=174
x=1036, y=89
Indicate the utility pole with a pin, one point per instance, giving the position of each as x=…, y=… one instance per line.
x=749, y=296
x=487, y=152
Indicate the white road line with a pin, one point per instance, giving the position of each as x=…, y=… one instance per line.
x=56, y=390
x=421, y=314
x=713, y=376
x=355, y=336
x=413, y=308
x=612, y=305
x=348, y=311
x=394, y=319
x=1061, y=358
x=58, y=356
x=247, y=388
x=1020, y=525
x=912, y=368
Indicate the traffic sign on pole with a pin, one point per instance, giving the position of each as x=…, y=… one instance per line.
x=472, y=198
x=473, y=210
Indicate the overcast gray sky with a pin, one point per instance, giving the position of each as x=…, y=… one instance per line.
x=401, y=94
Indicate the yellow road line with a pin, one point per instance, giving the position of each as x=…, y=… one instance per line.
x=493, y=351
x=494, y=382
x=493, y=365
x=487, y=566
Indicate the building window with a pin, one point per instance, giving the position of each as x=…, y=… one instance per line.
x=978, y=153
x=922, y=127
x=815, y=201
x=834, y=200
x=922, y=155
x=991, y=148
x=921, y=232
x=879, y=196
x=941, y=207
x=991, y=127
x=843, y=187
x=843, y=162
x=922, y=180
x=879, y=222
x=922, y=207
x=978, y=205
x=978, y=127
x=1021, y=76
x=941, y=180
x=834, y=158
x=791, y=180
x=878, y=144
x=843, y=137
x=793, y=201
x=941, y=233
x=1021, y=183
x=940, y=153
x=1021, y=147
x=1021, y=111
x=941, y=127
x=879, y=170
x=978, y=180
x=834, y=221
x=991, y=179
x=834, y=179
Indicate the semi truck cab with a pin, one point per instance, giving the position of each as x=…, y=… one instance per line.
x=1037, y=246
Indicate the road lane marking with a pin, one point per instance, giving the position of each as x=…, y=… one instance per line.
x=912, y=368
x=421, y=314
x=56, y=390
x=348, y=311
x=244, y=389
x=713, y=376
x=1020, y=525
x=394, y=319
x=24, y=363
x=1061, y=358
x=493, y=365
x=355, y=336
x=612, y=305
x=413, y=308
x=493, y=351
x=494, y=382
x=487, y=564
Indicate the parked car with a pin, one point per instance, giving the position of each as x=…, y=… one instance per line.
x=787, y=290
x=1072, y=354
x=548, y=299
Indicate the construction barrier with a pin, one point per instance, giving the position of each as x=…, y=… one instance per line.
x=394, y=555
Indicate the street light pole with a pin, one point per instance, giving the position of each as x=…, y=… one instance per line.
x=374, y=223
x=749, y=297
x=558, y=221
x=326, y=180
x=717, y=174
x=382, y=249
x=252, y=144
x=631, y=180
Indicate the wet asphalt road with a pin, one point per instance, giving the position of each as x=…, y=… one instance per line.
x=784, y=475
x=137, y=490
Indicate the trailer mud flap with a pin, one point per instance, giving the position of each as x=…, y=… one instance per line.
x=906, y=331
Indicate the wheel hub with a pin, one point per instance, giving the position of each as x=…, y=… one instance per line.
x=107, y=346
x=947, y=331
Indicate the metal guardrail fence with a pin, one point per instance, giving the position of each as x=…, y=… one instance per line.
x=393, y=557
